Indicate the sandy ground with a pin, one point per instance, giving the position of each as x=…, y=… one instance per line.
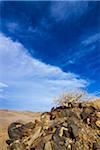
x=9, y=116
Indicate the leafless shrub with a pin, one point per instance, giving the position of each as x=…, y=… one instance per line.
x=73, y=97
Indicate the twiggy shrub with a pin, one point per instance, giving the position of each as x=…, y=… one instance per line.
x=72, y=97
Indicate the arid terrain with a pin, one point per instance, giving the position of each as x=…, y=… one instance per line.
x=9, y=116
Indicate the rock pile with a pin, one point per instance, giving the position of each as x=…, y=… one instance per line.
x=72, y=127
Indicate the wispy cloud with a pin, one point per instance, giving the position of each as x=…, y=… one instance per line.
x=67, y=10
x=82, y=49
x=3, y=86
x=87, y=46
x=91, y=39
x=31, y=80
x=12, y=27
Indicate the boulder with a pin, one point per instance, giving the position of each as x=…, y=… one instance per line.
x=98, y=123
x=96, y=146
x=15, y=130
x=16, y=145
x=73, y=130
x=86, y=112
x=48, y=146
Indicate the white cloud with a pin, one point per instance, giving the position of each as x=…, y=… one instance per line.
x=86, y=46
x=91, y=39
x=68, y=10
x=2, y=87
x=30, y=81
x=12, y=26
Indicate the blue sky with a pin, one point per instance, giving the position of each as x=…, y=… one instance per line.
x=47, y=48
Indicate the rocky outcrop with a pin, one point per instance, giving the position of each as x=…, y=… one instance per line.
x=72, y=127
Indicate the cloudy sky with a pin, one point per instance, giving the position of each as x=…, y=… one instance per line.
x=47, y=48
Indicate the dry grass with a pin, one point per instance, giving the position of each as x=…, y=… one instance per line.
x=95, y=103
